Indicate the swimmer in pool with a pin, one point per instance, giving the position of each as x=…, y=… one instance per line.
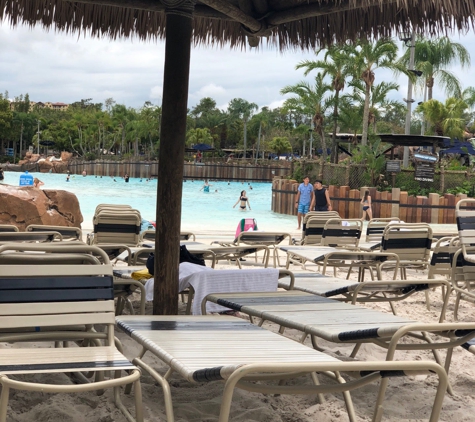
x=205, y=187
x=244, y=201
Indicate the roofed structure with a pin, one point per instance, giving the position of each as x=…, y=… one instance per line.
x=283, y=23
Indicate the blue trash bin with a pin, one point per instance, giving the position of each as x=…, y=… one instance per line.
x=26, y=179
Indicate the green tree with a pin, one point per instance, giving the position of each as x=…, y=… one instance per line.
x=242, y=110
x=433, y=58
x=367, y=57
x=198, y=136
x=372, y=156
x=311, y=101
x=280, y=145
x=337, y=65
x=447, y=119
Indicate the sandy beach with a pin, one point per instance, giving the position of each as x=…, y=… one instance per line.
x=407, y=399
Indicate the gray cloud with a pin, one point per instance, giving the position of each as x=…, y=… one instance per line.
x=59, y=67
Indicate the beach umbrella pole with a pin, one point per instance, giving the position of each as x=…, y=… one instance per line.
x=179, y=16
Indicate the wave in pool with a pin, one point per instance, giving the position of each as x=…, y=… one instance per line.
x=201, y=211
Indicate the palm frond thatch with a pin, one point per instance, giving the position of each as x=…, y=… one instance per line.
x=305, y=24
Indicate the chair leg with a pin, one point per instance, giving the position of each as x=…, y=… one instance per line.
x=4, y=403
x=320, y=396
x=347, y=398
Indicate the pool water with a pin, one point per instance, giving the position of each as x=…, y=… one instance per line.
x=201, y=211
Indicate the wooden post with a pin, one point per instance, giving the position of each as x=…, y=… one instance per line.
x=172, y=153
x=442, y=179
x=395, y=196
x=434, y=211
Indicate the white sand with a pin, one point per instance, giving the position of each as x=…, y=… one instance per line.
x=407, y=399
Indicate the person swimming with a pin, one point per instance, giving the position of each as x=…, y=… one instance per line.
x=205, y=187
x=244, y=201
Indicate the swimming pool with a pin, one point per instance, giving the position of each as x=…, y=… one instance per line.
x=201, y=212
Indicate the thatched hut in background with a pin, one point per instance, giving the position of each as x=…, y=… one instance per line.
x=303, y=24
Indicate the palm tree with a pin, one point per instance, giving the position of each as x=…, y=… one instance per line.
x=367, y=57
x=242, y=110
x=337, y=66
x=447, y=118
x=310, y=101
x=433, y=57
x=468, y=95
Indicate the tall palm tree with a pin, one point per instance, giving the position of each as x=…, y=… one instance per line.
x=337, y=65
x=367, y=57
x=311, y=101
x=242, y=110
x=433, y=57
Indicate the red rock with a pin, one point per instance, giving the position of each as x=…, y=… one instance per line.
x=27, y=205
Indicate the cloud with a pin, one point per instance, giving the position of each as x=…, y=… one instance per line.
x=58, y=67
x=156, y=92
x=211, y=90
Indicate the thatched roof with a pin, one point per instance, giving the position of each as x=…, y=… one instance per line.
x=284, y=23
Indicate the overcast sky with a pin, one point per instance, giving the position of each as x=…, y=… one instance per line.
x=58, y=67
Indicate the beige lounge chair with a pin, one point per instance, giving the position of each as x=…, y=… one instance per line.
x=365, y=291
x=52, y=298
x=67, y=233
x=30, y=237
x=312, y=226
x=375, y=228
x=270, y=239
x=203, y=349
x=338, y=322
x=411, y=242
x=8, y=228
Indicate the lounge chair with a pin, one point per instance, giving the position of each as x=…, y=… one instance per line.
x=376, y=226
x=67, y=233
x=338, y=322
x=342, y=233
x=312, y=227
x=204, y=349
x=30, y=237
x=40, y=303
x=366, y=291
x=270, y=239
x=8, y=228
x=325, y=256
x=149, y=236
x=119, y=227
x=411, y=242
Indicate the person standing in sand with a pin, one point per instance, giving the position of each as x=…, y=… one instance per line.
x=366, y=203
x=303, y=199
x=244, y=201
x=321, y=198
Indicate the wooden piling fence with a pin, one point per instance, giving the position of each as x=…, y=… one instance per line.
x=435, y=209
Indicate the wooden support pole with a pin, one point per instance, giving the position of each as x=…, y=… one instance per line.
x=171, y=157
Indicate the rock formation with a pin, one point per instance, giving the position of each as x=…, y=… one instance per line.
x=28, y=205
x=51, y=163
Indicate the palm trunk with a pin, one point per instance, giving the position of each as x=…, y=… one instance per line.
x=364, y=135
x=334, y=156
x=245, y=139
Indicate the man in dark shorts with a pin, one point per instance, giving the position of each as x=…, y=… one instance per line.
x=321, y=198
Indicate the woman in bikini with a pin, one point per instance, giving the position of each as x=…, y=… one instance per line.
x=366, y=203
x=244, y=201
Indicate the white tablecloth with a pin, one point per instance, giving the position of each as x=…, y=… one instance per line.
x=205, y=280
